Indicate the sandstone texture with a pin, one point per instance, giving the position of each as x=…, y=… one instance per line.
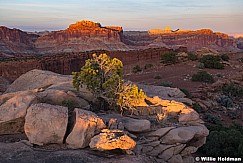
x=165, y=93
x=82, y=36
x=35, y=79
x=193, y=40
x=112, y=139
x=46, y=124
x=136, y=125
x=86, y=126
x=53, y=112
x=14, y=42
x=13, y=109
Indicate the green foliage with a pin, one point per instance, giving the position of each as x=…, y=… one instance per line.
x=211, y=61
x=136, y=69
x=169, y=58
x=224, y=141
x=225, y=57
x=186, y=92
x=148, y=66
x=197, y=108
x=225, y=101
x=157, y=77
x=232, y=90
x=202, y=76
x=192, y=57
x=210, y=118
x=128, y=96
x=102, y=75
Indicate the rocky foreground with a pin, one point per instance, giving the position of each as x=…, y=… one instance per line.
x=49, y=112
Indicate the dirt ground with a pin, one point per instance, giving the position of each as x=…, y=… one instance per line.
x=179, y=75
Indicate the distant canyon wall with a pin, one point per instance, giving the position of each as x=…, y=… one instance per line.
x=193, y=40
x=87, y=36
x=72, y=62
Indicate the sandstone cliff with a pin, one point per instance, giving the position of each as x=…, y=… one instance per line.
x=82, y=36
x=14, y=42
x=193, y=40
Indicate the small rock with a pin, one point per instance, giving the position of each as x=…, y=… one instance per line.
x=176, y=159
x=136, y=125
x=188, y=151
x=160, y=132
x=112, y=139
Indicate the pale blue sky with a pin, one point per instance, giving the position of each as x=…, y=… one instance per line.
x=36, y=15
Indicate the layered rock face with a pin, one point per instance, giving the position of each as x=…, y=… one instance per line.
x=82, y=36
x=14, y=42
x=193, y=40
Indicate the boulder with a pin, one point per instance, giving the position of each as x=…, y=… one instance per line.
x=136, y=125
x=37, y=79
x=86, y=126
x=160, y=132
x=166, y=93
x=174, y=107
x=185, y=134
x=188, y=151
x=159, y=149
x=60, y=97
x=112, y=139
x=161, y=91
x=189, y=115
x=83, y=92
x=13, y=108
x=176, y=159
x=46, y=124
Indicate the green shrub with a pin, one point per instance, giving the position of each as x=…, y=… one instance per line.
x=148, y=66
x=157, y=77
x=169, y=58
x=136, y=69
x=197, y=108
x=202, y=76
x=211, y=118
x=225, y=101
x=224, y=141
x=102, y=75
x=232, y=90
x=211, y=61
x=225, y=57
x=128, y=96
x=186, y=92
x=192, y=57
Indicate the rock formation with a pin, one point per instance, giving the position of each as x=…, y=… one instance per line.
x=14, y=42
x=193, y=40
x=87, y=35
x=36, y=108
x=82, y=36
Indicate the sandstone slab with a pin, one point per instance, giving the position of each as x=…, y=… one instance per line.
x=37, y=79
x=112, y=139
x=136, y=125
